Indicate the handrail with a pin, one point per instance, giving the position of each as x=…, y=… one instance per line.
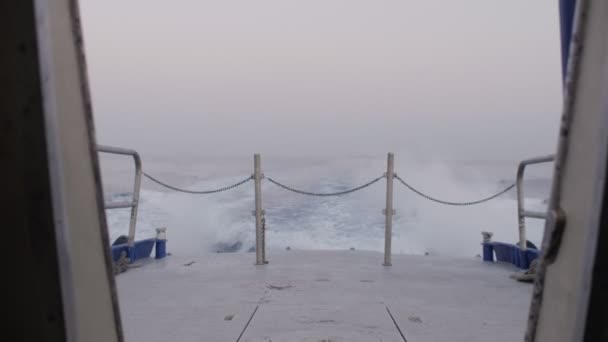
x=522, y=213
x=134, y=203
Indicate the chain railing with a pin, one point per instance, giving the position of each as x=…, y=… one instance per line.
x=436, y=200
x=197, y=192
x=324, y=194
x=257, y=178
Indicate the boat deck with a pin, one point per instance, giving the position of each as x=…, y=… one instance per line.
x=322, y=296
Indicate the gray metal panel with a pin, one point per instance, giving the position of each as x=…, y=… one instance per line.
x=31, y=281
x=87, y=280
x=558, y=311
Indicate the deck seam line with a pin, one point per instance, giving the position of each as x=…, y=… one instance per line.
x=249, y=321
x=395, y=322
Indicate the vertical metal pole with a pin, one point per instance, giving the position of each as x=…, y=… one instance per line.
x=259, y=233
x=135, y=203
x=389, y=211
x=521, y=219
x=160, y=247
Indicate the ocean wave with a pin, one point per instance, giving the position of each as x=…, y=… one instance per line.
x=224, y=222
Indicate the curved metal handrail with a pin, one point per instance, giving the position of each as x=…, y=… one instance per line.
x=522, y=213
x=134, y=203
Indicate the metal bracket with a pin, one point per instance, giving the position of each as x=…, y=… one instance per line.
x=487, y=237
x=384, y=211
x=558, y=222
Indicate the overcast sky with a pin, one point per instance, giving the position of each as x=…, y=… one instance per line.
x=469, y=79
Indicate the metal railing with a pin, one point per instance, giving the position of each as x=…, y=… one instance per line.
x=260, y=239
x=134, y=203
x=258, y=176
x=522, y=213
x=388, y=210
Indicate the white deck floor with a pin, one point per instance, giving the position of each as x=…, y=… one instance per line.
x=322, y=296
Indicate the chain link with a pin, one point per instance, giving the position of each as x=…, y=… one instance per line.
x=328, y=194
x=323, y=194
x=454, y=203
x=198, y=192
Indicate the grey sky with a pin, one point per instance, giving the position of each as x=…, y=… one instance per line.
x=470, y=79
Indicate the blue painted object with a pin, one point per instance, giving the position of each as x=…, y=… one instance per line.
x=161, y=248
x=488, y=251
x=141, y=249
x=566, y=20
x=506, y=252
x=118, y=249
x=531, y=254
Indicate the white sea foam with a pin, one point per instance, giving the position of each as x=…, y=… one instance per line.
x=213, y=222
